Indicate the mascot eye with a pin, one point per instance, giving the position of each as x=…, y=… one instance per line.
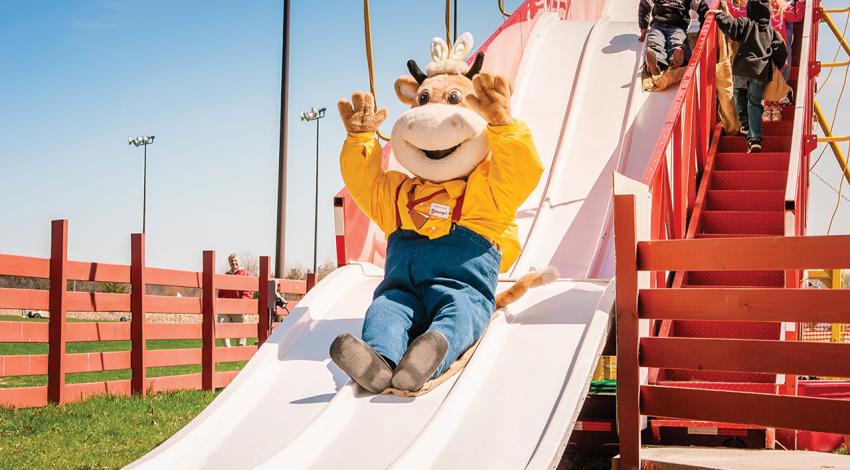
x=455, y=97
x=423, y=98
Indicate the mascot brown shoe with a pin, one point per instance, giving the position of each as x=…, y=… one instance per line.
x=361, y=363
x=420, y=361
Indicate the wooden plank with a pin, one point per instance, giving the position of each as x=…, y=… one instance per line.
x=81, y=391
x=174, y=330
x=58, y=325
x=23, y=332
x=208, y=322
x=174, y=382
x=236, y=353
x=780, y=411
x=173, y=277
x=235, y=330
x=138, y=319
x=100, y=272
x=25, y=299
x=97, y=302
x=99, y=331
x=292, y=286
x=228, y=282
x=628, y=373
x=26, y=266
x=15, y=365
x=793, y=305
x=223, y=379
x=741, y=254
x=173, y=357
x=231, y=306
x=23, y=397
x=98, y=361
x=738, y=355
x=167, y=304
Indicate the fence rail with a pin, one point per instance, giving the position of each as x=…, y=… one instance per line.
x=57, y=270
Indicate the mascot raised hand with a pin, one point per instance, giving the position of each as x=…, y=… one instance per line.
x=451, y=226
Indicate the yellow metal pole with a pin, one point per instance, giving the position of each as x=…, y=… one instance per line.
x=836, y=10
x=839, y=154
x=835, y=64
x=836, y=32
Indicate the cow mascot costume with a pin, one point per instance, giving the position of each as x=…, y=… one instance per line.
x=451, y=225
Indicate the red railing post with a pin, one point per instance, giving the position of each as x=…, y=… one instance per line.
x=263, y=325
x=311, y=281
x=628, y=371
x=208, y=311
x=138, y=338
x=57, y=328
x=339, y=229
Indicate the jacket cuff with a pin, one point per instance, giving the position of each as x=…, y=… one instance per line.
x=513, y=128
x=361, y=137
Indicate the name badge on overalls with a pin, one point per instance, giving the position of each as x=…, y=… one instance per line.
x=439, y=210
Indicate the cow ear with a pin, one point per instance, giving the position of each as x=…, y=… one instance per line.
x=406, y=88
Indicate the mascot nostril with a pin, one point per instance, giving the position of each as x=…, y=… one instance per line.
x=451, y=226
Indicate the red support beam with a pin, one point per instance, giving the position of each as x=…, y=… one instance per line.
x=138, y=295
x=311, y=281
x=208, y=322
x=628, y=373
x=58, y=307
x=780, y=411
x=263, y=326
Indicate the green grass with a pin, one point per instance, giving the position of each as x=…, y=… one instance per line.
x=102, y=432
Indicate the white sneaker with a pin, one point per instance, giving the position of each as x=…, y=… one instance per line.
x=777, y=113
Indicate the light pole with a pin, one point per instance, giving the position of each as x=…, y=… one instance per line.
x=314, y=115
x=143, y=141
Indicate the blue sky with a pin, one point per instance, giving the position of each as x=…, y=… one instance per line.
x=79, y=77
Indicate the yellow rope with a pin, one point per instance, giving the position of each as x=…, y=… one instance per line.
x=368, y=33
x=502, y=9
x=448, y=23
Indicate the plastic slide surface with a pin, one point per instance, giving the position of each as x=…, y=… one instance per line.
x=515, y=404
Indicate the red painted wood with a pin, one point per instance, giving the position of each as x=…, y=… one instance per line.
x=223, y=379
x=14, y=265
x=243, y=306
x=23, y=332
x=763, y=305
x=311, y=281
x=58, y=307
x=25, y=299
x=174, y=382
x=23, y=397
x=97, y=302
x=226, y=282
x=173, y=357
x=138, y=313
x=81, y=391
x=763, y=356
x=748, y=253
x=101, y=272
x=236, y=353
x=101, y=331
x=166, y=304
x=174, y=330
x=209, y=321
x=628, y=377
x=263, y=327
x=11, y=366
x=781, y=411
x=173, y=277
x=292, y=286
x=235, y=330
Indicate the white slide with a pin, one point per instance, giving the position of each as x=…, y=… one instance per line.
x=515, y=404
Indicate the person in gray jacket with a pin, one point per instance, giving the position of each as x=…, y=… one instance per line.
x=664, y=24
x=760, y=48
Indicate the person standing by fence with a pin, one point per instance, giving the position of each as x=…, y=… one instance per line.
x=235, y=270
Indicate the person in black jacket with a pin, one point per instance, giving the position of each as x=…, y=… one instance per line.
x=760, y=48
x=664, y=25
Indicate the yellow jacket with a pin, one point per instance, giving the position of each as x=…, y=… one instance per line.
x=493, y=191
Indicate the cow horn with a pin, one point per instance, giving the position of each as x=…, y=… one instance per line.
x=476, y=66
x=416, y=71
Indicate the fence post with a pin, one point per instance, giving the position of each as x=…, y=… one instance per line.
x=311, y=281
x=208, y=322
x=628, y=368
x=138, y=338
x=57, y=329
x=263, y=325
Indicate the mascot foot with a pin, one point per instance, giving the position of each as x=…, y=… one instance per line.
x=361, y=363
x=652, y=63
x=421, y=360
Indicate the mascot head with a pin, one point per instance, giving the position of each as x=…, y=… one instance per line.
x=440, y=138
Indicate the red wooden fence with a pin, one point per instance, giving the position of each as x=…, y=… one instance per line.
x=724, y=304
x=57, y=332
